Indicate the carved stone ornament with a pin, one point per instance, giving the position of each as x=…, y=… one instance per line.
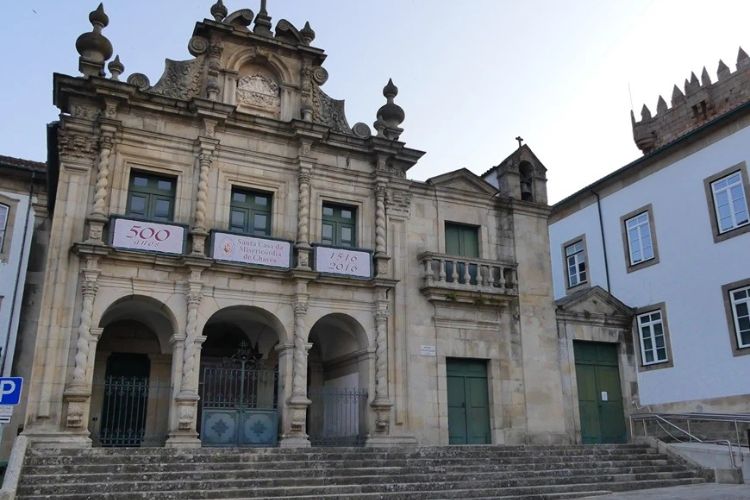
x=362, y=130
x=181, y=79
x=319, y=75
x=197, y=46
x=76, y=410
x=186, y=414
x=75, y=145
x=85, y=112
x=258, y=91
x=329, y=112
x=139, y=80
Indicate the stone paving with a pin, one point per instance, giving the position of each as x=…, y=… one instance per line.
x=710, y=491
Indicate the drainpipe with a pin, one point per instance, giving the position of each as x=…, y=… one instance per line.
x=601, y=232
x=18, y=275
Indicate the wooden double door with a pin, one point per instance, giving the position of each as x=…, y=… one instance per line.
x=468, y=401
x=599, y=393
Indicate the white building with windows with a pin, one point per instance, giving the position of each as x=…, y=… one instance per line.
x=667, y=236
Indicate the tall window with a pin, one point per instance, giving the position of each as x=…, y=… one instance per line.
x=151, y=196
x=250, y=212
x=339, y=225
x=652, y=338
x=639, y=238
x=730, y=202
x=740, y=304
x=4, y=209
x=461, y=240
x=727, y=200
x=575, y=263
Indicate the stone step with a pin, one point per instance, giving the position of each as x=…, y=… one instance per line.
x=340, y=476
x=400, y=492
x=326, y=467
x=587, y=448
x=292, y=462
x=262, y=487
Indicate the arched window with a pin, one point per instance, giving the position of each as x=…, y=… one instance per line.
x=527, y=181
x=4, y=210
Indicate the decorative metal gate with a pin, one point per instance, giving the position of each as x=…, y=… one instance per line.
x=239, y=401
x=337, y=416
x=124, y=411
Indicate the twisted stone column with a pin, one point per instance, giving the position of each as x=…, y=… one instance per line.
x=299, y=377
x=380, y=242
x=102, y=175
x=303, y=218
x=189, y=353
x=88, y=291
x=205, y=159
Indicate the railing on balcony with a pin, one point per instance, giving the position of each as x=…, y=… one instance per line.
x=464, y=274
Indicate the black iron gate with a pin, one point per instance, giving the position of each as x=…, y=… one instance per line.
x=124, y=411
x=238, y=401
x=337, y=416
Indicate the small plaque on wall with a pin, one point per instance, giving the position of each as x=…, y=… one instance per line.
x=428, y=350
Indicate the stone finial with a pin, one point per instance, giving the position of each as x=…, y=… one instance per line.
x=723, y=70
x=742, y=59
x=219, y=11
x=263, y=21
x=93, y=47
x=661, y=105
x=677, y=95
x=390, y=115
x=705, y=79
x=645, y=113
x=308, y=34
x=693, y=85
x=116, y=68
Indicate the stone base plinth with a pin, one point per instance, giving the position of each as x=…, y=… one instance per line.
x=390, y=441
x=182, y=441
x=294, y=442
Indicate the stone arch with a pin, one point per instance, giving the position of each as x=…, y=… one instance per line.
x=526, y=178
x=151, y=312
x=339, y=366
x=131, y=373
x=283, y=73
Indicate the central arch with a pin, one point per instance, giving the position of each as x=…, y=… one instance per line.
x=239, y=378
x=338, y=374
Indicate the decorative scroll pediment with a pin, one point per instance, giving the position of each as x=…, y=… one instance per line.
x=181, y=79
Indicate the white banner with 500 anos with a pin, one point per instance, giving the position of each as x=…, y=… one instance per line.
x=148, y=236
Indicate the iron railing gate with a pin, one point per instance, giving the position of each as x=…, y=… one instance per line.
x=337, y=416
x=239, y=401
x=124, y=411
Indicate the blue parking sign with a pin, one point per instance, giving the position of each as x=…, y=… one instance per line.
x=10, y=390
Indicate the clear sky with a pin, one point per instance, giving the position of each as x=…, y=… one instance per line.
x=472, y=74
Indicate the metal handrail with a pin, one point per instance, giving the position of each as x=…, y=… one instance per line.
x=661, y=420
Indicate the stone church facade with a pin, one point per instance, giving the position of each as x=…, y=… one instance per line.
x=232, y=263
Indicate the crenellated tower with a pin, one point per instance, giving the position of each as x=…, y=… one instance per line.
x=699, y=102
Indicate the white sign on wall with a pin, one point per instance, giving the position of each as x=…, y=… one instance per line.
x=251, y=250
x=342, y=261
x=428, y=350
x=149, y=236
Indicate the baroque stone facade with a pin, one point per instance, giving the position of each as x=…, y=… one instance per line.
x=229, y=218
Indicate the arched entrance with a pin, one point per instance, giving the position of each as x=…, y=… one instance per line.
x=131, y=381
x=338, y=374
x=239, y=379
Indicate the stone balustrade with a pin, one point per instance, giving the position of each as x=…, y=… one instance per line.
x=472, y=277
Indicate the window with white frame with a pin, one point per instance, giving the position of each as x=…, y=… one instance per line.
x=575, y=263
x=640, y=242
x=653, y=337
x=730, y=202
x=4, y=210
x=740, y=303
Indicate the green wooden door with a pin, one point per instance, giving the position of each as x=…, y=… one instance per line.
x=599, y=393
x=468, y=401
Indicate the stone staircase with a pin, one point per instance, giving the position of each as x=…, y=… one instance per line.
x=353, y=473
